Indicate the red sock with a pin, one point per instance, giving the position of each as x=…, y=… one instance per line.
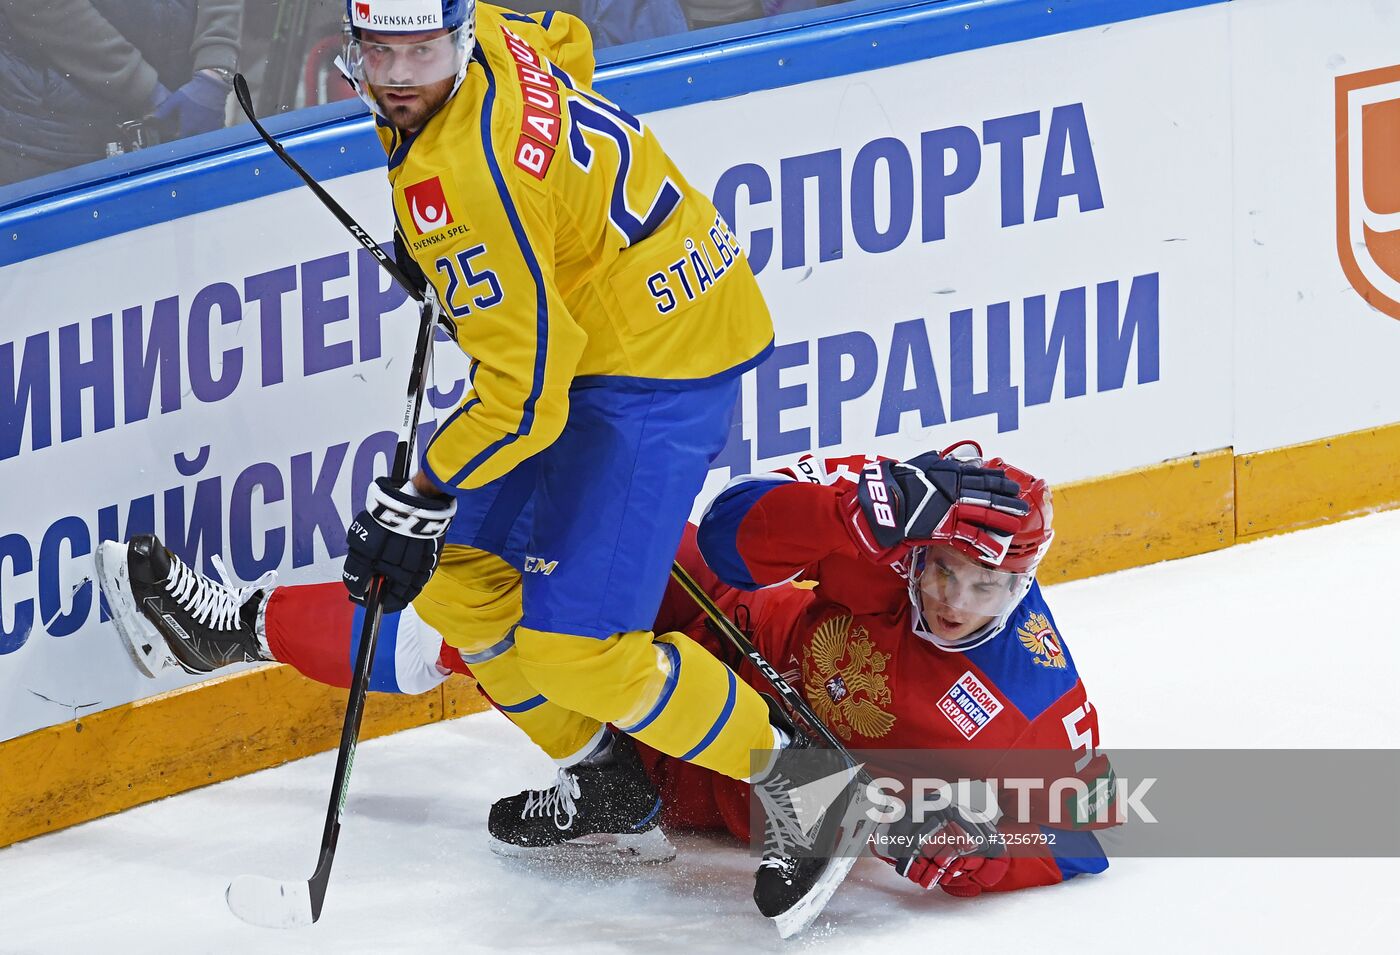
x=309, y=628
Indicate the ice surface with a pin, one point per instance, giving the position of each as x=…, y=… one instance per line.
x=1286, y=642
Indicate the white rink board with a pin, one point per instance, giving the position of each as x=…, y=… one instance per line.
x=1215, y=183
x=1142, y=111
x=1312, y=358
x=69, y=664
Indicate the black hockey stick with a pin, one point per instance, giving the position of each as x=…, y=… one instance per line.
x=731, y=632
x=259, y=899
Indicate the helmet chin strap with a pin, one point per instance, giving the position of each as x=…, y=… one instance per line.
x=969, y=642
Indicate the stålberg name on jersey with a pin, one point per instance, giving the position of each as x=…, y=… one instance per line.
x=423, y=14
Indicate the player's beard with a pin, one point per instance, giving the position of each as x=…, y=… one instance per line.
x=409, y=107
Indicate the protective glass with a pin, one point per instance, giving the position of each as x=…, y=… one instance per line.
x=952, y=579
x=406, y=61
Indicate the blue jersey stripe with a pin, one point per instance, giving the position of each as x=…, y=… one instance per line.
x=676, y=384
x=491, y=652
x=529, y=704
x=718, y=535
x=674, y=656
x=1076, y=852
x=462, y=409
x=401, y=148
x=592, y=381
x=527, y=415
x=606, y=105
x=723, y=718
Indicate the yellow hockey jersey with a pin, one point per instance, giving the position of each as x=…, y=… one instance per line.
x=564, y=243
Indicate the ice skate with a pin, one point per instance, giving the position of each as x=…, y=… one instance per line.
x=815, y=826
x=608, y=813
x=170, y=615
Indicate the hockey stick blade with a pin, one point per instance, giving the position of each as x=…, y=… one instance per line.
x=258, y=900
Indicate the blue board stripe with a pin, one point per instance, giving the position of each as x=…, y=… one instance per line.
x=851, y=38
x=171, y=182
x=180, y=179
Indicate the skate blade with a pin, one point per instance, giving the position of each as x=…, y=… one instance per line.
x=811, y=905
x=142, y=640
x=645, y=848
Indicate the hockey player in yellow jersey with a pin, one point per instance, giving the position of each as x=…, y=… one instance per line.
x=609, y=311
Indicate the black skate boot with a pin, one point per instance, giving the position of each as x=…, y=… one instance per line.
x=608, y=813
x=171, y=615
x=815, y=825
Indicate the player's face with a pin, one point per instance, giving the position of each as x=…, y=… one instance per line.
x=411, y=75
x=952, y=591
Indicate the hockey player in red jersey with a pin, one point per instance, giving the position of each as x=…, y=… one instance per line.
x=943, y=645
x=946, y=645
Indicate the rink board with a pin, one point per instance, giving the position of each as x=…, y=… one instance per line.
x=199, y=735
x=1048, y=237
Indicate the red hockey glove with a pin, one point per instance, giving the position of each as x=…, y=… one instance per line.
x=927, y=499
x=951, y=847
x=947, y=855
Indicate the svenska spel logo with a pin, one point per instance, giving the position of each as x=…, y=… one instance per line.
x=1368, y=185
x=397, y=14
x=427, y=204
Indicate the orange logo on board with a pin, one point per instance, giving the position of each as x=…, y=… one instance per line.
x=1368, y=185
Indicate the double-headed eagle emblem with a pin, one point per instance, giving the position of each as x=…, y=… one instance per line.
x=846, y=675
x=1040, y=639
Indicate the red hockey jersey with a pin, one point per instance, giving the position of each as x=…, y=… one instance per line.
x=850, y=643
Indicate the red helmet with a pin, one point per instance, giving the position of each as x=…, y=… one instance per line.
x=1031, y=541
x=1013, y=569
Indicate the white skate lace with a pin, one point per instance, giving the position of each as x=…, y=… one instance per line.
x=782, y=831
x=557, y=802
x=214, y=603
